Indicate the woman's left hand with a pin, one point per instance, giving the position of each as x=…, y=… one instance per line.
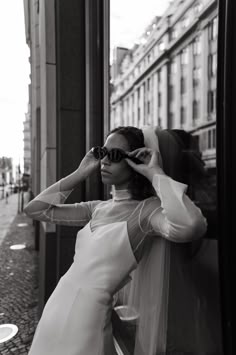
x=150, y=162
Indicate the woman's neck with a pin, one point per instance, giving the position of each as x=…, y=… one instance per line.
x=119, y=193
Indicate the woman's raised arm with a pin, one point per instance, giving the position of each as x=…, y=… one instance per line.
x=178, y=219
x=49, y=205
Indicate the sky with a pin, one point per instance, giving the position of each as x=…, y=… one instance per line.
x=14, y=78
x=129, y=18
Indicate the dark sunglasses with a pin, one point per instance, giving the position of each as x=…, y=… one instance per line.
x=115, y=155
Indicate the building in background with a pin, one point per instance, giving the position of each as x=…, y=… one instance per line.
x=6, y=171
x=169, y=78
x=27, y=142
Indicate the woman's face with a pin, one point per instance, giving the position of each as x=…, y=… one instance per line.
x=118, y=174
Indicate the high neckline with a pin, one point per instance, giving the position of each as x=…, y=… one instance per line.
x=120, y=195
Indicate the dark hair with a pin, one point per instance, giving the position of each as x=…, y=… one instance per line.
x=182, y=158
x=192, y=165
x=140, y=187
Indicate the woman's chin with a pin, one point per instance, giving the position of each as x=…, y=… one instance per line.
x=106, y=179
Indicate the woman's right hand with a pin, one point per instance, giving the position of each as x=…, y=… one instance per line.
x=88, y=165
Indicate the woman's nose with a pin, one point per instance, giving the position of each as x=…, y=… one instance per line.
x=105, y=160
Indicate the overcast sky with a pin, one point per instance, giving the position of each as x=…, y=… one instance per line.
x=129, y=18
x=128, y=21
x=14, y=78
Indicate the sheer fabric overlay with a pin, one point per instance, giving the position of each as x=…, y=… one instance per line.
x=147, y=293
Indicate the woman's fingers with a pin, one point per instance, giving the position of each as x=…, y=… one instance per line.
x=139, y=151
x=141, y=154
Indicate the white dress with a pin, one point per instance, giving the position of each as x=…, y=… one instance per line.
x=77, y=317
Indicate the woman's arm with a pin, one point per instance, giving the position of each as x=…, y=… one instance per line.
x=49, y=205
x=177, y=218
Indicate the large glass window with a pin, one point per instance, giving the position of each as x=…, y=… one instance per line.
x=179, y=98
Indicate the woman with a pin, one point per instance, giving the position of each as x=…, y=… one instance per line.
x=145, y=203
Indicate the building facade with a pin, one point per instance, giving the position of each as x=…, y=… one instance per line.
x=67, y=97
x=27, y=142
x=169, y=79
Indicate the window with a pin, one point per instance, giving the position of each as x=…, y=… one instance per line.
x=182, y=115
x=209, y=145
x=173, y=67
x=211, y=101
x=196, y=76
x=197, y=46
x=195, y=109
x=213, y=29
x=139, y=116
x=183, y=85
x=159, y=99
x=161, y=46
x=184, y=57
x=171, y=92
x=156, y=50
x=173, y=34
x=185, y=22
x=37, y=5
x=214, y=138
x=198, y=7
x=210, y=137
x=148, y=84
x=212, y=65
x=171, y=119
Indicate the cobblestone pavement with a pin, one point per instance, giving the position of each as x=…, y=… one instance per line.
x=18, y=280
x=8, y=212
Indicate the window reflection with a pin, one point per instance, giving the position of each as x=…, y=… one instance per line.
x=172, y=85
x=174, y=90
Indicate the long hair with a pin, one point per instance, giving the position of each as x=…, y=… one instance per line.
x=140, y=187
x=182, y=158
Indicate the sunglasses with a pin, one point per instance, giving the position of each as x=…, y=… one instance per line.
x=115, y=155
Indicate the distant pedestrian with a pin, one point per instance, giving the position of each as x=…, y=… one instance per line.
x=6, y=196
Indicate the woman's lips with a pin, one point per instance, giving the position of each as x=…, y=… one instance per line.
x=105, y=172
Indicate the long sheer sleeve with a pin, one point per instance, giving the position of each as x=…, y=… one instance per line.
x=178, y=218
x=49, y=206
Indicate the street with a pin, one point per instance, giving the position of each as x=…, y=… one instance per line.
x=18, y=277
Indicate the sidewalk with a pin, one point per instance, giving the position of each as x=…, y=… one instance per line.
x=8, y=212
x=18, y=278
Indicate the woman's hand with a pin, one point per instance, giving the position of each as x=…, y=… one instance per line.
x=88, y=165
x=150, y=162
